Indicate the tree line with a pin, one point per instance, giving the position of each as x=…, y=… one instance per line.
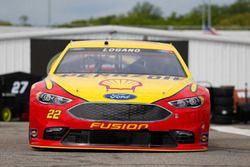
x=145, y=14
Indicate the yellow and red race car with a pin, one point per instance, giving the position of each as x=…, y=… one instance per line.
x=119, y=95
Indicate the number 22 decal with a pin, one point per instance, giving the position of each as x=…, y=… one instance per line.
x=54, y=114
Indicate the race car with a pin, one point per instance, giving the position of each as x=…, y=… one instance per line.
x=119, y=95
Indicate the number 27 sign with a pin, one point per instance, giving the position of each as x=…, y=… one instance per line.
x=19, y=87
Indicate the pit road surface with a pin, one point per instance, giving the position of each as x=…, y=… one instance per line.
x=224, y=150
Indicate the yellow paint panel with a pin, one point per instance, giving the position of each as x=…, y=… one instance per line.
x=194, y=87
x=49, y=84
x=146, y=90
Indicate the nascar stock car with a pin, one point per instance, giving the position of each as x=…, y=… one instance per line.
x=119, y=95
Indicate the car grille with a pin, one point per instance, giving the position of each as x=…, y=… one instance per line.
x=120, y=138
x=119, y=112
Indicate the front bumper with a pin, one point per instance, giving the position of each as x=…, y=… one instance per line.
x=157, y=135
x=144, y=140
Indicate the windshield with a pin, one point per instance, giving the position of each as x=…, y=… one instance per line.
x=121, y=61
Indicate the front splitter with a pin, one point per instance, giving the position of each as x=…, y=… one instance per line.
x=111, y=148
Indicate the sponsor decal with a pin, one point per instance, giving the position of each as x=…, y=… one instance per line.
x=119, y=96
x=120, y=84
x=154, y=77
x=204, y=137
x=122, y=50
x=19, y=87
x=118, y=126
x=33, y=133
x=54, y=114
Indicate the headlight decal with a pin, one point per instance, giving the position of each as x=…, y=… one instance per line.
x=46, y=98
x=193, y=102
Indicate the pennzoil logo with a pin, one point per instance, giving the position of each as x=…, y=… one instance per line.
x=118, y=126
x=120, y=84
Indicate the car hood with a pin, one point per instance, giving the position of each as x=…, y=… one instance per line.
x=120, y=88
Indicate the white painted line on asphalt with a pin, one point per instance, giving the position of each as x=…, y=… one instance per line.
x=230, y=129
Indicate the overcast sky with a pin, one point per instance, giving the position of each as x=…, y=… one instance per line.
x=63, y=11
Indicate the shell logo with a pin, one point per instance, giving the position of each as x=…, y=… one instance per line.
x=120, y=84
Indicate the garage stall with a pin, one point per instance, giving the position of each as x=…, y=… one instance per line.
x=219, y=59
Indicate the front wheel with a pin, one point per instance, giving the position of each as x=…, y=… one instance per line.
x=6, y=114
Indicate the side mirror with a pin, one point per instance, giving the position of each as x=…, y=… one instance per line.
x=52, y=61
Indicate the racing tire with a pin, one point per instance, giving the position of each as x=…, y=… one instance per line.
x=223, y=92
x=219, y=119
x=210, y=89
x=223, y=110
x=223, y=101
x=6, y=114
x=244, y=113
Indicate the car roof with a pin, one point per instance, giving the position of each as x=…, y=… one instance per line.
x=120, y=44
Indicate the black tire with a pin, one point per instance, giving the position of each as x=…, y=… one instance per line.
x=223, y=92
x=223, y=110
x=219, y=119
x=244, y=112
x=245, y=107
x=223, y=101
x=210, y=89
x=212, y=118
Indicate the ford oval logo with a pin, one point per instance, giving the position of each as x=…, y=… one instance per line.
x=119, y=96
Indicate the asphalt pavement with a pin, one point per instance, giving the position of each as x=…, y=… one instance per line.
x=225, y=149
